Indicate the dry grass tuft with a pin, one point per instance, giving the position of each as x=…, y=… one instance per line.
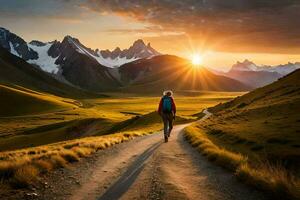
x=57, y=161
x=271, y=178
x=24, y=176
x=69, y=155
x=43, y=165
x=214, y=153
x=83, y=151
x=274, y=179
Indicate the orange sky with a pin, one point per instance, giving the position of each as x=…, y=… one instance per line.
x=222, y=37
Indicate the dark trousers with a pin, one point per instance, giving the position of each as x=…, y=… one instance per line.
x=168, y=122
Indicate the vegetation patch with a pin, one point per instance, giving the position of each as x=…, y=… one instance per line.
x=263, y=175
x=21, y=168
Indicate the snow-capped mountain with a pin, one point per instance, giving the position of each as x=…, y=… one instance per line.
x=16, y=45
x=116, y=57
x=247, y=65
x=244, y=66
x=119, y=57
x=49, y=56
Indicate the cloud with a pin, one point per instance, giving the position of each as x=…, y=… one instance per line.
x=148, y=31
x=228, y=25
x=65, y=10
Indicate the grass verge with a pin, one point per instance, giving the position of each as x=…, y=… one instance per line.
x=22, y=168
x=273, y=179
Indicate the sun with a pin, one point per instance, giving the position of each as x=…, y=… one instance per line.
x=196, y=59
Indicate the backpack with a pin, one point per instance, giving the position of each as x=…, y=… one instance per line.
x=167, y=104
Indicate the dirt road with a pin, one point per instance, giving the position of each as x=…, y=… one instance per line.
x=146, y=168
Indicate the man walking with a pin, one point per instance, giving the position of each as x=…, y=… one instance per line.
x=167, y=111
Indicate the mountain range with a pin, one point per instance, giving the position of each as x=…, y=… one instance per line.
x=140, y=68
x=49, y=55
x=73, y=63
x=256, y=76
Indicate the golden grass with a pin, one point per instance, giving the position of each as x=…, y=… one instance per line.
x=42, y=159
x=25, y=176
x=214, y=153
x=112, y=111
x=274, y=179
x=14, y=102
x=22, y=168
x=271, y=178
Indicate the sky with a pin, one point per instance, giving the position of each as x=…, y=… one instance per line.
x=221, y=31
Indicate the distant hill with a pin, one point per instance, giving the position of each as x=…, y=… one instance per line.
x=263, y=122
x=171, y=72
x=14, y=102
x=15, y=71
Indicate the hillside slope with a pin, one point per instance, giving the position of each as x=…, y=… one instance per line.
x=264, y=122
x=171, y=72
x=14, y=102
x=15, y=71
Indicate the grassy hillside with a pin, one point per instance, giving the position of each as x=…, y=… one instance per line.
x=14, y=102
x=171, y=72
x=257, y=136
x=16, y=72
x=264, y=122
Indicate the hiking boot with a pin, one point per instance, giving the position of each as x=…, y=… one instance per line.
x=166, y=139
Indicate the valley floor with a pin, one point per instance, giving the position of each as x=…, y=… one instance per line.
x=144, y=168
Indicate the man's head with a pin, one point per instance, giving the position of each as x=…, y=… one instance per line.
x=168, y=93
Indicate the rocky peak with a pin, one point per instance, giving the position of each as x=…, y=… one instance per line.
x=16, y=45
x=246, y=65
x=37, y=43
x=139, y=43
x=67, y=39
x=117, y=50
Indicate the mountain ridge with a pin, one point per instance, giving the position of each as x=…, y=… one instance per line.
x=256, y=76
x=16, y=72
x=175, y=73
x=282, y=69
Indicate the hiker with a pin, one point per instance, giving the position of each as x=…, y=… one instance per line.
x=167, y=111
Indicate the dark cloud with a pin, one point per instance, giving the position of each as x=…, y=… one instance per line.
x=37, y=8
x=229, y=25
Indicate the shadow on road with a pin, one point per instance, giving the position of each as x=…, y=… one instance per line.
x=128, y=178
